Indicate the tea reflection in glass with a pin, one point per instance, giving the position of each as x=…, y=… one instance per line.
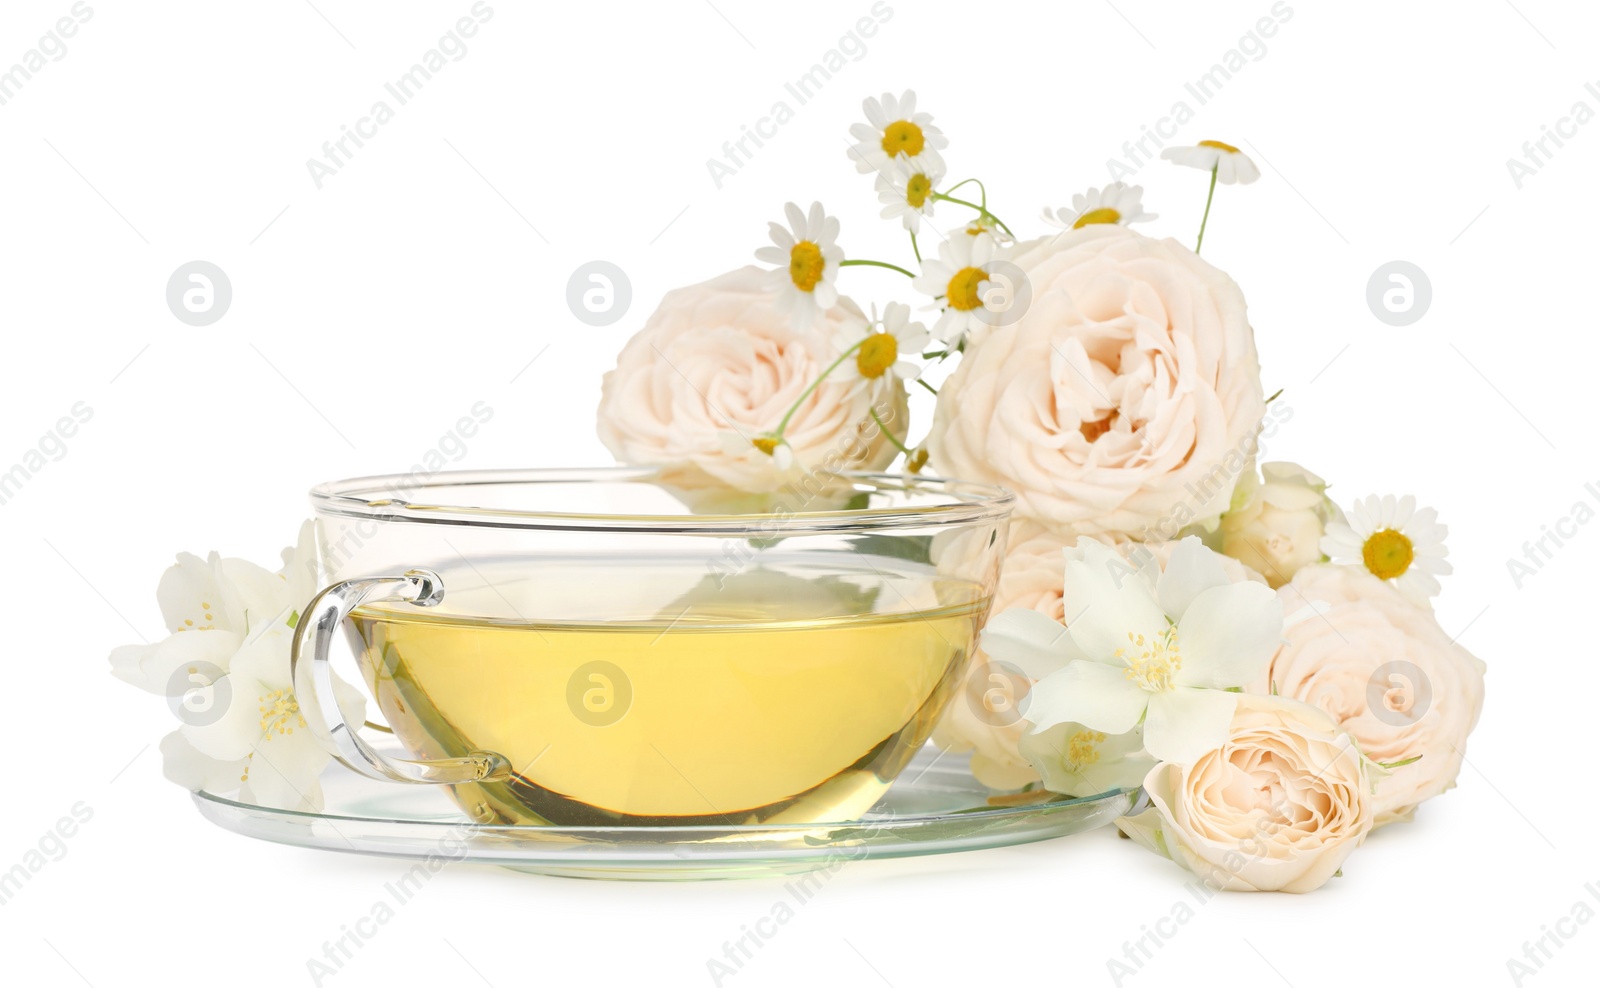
x=794, y=690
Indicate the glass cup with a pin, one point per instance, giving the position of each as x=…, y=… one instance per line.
x=600, y=647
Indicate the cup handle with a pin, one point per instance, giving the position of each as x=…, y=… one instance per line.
x=313, y=679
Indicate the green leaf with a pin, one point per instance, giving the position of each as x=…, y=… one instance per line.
x=859, y=502
x=912, y=548
x=1401, y=763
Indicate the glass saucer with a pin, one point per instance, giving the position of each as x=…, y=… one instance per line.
x=935, y=807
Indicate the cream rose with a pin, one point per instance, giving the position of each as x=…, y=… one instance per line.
x=1126, y=398
x=1278, y=807
x=1386, y=671
x=1276, y=523
x=719, y=364
x=984, y=717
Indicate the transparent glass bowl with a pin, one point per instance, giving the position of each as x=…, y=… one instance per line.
x=607, y=648
x=935, y=807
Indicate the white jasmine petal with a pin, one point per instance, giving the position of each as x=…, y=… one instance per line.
x=1192, y=570
x=1029, y=640
x=1185, y=723
x=1228, y=635
x=1090, y=693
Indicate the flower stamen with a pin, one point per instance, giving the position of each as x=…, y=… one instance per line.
x=1154, y=663
x=918, y=188
x=1083, y=748
x=280, y=713
x=1105, y=214
x=805, y=265
x=1387, y=554
x=903, y=137
x=878, y=353
x=962, y=292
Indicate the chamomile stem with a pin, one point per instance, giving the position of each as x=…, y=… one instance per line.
x=1213, y=191
x=914, y=249
x=983, y=211
x=931, y=389
x=879, y=264
x=983, y=193
x=887, y=434
x=778, y=434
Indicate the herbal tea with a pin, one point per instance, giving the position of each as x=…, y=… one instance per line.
x=792, y=691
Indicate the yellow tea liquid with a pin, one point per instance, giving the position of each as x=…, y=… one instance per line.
x=787, y=693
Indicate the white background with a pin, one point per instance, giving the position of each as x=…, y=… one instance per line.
x=371, y=314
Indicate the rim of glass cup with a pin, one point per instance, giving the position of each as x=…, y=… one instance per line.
x=376, y=497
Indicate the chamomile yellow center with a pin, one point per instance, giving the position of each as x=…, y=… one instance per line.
x=805, y=265
x=1153, y=663
x=767, y=444
x=1083, y=748
x=1220, y=146
x=902, y=137
x=1105, y=214
x=918, y=190
x=962, y=292
x=1387, y=553
x=877, y=354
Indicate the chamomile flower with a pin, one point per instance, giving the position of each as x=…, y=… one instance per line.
x=808, y=259
x=881, y=357
x=987, y=225
x=781, y=452
x=1117, y=203
x=1230, y=164
x=1393, y=540
x=959, y=280
x=906, y=190
x=895, y=130
x=757, y=448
